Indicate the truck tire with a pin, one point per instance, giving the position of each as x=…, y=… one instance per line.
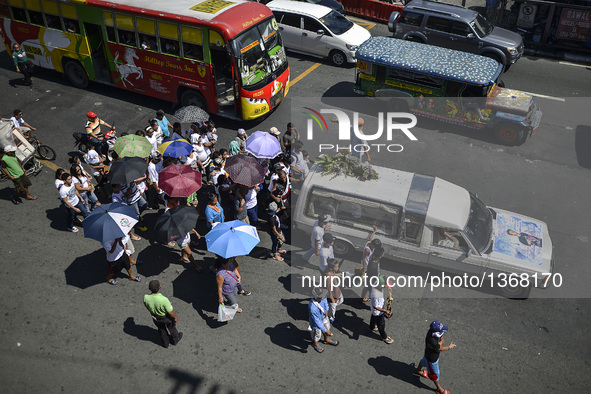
x=510, y=134
x=193, y=97
x=516, y=293
x=76, y=74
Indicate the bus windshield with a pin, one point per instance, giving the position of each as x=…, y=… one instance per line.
x=259, y=52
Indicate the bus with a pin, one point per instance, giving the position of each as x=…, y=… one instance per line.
x=224, y=56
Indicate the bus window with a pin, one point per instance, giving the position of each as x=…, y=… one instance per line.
x=108, y=17
x=146, y=29
x=19, y=14
x=169, y=38
x=192, y=42
x=125, y=30
x=52, y=13
x=35, y=15
x=70, y=18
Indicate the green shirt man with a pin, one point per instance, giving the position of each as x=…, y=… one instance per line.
x=162, y=314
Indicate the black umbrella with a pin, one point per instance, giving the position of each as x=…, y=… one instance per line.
x=175, y=223
x=244, y=170
x=128, y=169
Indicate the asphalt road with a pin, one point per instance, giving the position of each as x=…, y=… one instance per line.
x=65, y=330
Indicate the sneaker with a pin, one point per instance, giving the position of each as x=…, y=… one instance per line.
x=180, y=337
x=245, y=293
x=73, y=229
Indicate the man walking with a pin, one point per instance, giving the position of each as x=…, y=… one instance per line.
x=316, y=238
x=14, y=170
x=22, y=63
x=434, y=346
x=379, y=312
x=162, y=314
x=318, y=320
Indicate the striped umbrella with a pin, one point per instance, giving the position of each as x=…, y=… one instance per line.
x=175, y=148
x=133, y=146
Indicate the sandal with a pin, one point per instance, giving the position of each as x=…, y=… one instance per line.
x=278, y=258
x=136, y=279
x=423, y=373
x=31, y=198
x=281, y=251
x=388, y=340
x=364, y=299
x=136, y=238
x=15, y=202
x=239, y=310
x=319, y=348
x=112, y=282
x=334, y=342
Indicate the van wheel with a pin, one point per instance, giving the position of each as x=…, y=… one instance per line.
x=516, y=293
x=414, y=39
x=191, y=97
x=337, y=58
x=510, y=134
x=76, y=74
x=342, y=248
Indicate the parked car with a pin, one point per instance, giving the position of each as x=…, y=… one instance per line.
x=427, y=221
x=453, y=26
x=318, y=30
x=447, y=85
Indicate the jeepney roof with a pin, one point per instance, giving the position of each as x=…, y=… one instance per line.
x=449, y=204
x=430, y=60
x=232, y=17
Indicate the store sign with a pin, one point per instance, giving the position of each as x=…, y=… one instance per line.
x=574, y=25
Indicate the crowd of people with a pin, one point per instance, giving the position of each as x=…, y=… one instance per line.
x=265, y=205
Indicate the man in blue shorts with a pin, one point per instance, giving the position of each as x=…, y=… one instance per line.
x=433, y=346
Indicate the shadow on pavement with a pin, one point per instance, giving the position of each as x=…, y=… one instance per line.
x=156, y=258
x=188, y=383
x=402, y=371
x=57, y=218
x=350, y=324
x=289, y=337
x=583, y=145
x=141, y=332
x=297, y=308
x=88, y=270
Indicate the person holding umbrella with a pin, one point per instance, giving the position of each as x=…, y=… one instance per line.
x=118, y=259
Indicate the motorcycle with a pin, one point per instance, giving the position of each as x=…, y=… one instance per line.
x=106, y=144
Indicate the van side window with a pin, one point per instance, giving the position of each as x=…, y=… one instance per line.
x=355, y=212
x=292, y=20
x=440, y=24
x=411, y=18
x=312, y=25
x=460, y=29
x=449, y=239
x=412, y=231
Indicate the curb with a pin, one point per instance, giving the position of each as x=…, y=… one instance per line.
x=570, y=57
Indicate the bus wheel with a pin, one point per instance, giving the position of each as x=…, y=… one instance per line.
x=76, y=74
x=510, y=134
x=337, y=58
x=191, y=97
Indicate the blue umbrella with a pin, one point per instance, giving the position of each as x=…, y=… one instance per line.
x=230, y=239
x=109, y=222
x=175, y=148
x=263, y=145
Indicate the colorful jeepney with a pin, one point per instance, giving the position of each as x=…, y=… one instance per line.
x=224, y=56
x=448, y=85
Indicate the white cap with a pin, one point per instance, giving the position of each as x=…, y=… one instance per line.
x=274, y=131
x=10, y=148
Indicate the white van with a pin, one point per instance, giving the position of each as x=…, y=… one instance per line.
x=415, y=216
x=318, y=30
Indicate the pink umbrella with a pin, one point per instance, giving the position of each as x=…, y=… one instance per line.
x=178, y=180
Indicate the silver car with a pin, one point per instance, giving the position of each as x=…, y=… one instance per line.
x=455, y=27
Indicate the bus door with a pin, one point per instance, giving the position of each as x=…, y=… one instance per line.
x=221, y=62
x=97, y=48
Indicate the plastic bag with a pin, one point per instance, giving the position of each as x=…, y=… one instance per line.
x=225, y=313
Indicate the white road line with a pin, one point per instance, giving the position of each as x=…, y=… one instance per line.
x=574, y=64
x=546, y=97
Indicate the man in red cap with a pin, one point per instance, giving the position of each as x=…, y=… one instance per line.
x=93, y=129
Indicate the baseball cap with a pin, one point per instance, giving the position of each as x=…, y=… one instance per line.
x=91, y=114
x=241, y=131
x=438, y=328
x=324, y=218
x=274, y=131
x=10, y=148
x=319, y=292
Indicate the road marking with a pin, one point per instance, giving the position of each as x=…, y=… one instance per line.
x=574, y=64
x=302, y=75
x=367, y=25
x=546, y=97
x=49, y=165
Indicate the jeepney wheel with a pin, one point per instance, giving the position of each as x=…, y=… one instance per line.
x=191, y=97
x=414, y=39
x=341, y=248
x=337, y=58
x=76, y=74
x=510, y=134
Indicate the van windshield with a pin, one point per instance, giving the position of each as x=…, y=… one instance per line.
x=336, y=23
x=479, y=227
x=481, y=26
